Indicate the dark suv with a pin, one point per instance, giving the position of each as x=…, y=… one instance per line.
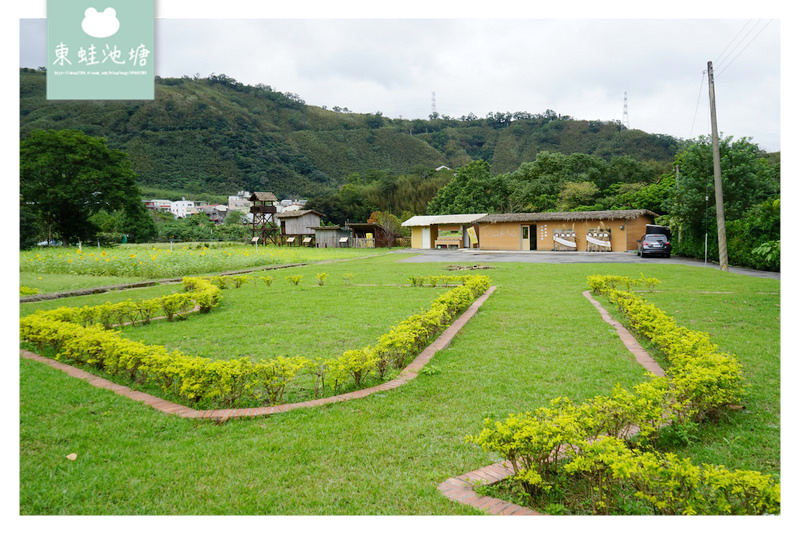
x=654, y=244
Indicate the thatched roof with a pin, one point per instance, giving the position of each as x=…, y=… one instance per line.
x=621, y=214
x=263, y=197
x=298, y=213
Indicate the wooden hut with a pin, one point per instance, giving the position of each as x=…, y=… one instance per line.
x=331, y=237
x=297, y=226
x=565, y=230
x=368, y=235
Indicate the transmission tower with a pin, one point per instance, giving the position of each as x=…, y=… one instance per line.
x=625, y=119
x=434, y=114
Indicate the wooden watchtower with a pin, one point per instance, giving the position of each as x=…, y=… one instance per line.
x=263, y=210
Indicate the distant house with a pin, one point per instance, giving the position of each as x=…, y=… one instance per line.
x=159, y=205
x=216, y=212
x=291, y=205
x=183, y=208
x=297, y=225
x=240, y=202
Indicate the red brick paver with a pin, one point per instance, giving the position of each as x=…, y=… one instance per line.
x=409, y=373
x=461, y=488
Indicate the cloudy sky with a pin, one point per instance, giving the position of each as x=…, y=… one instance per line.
x=577, y=67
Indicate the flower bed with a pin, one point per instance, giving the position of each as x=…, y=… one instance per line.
x=84, y=335
x=594, y=441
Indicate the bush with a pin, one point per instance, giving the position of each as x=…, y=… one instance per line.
x=84, y=335
x=589, y=439
x=27, y=291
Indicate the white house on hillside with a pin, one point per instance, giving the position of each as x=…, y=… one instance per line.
x=183, y=208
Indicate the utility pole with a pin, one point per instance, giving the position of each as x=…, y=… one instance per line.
x=722, y=239
x=677, y=187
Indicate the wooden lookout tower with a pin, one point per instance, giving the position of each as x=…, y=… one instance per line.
x=263, y=210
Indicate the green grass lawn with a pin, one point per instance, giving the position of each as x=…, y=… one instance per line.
x=67, y=282
x=54, y=269
x=535, y=339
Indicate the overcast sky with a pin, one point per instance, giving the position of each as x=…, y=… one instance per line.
x=576, y=67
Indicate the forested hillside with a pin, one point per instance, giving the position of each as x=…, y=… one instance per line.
x=216, y=135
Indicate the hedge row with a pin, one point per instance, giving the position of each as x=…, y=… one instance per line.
x=200, y=294
x=433, y=281
x=592, y=439
x=83, y=335
x=405, y=340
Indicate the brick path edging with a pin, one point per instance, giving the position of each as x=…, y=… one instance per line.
x=462, y=488
x=407, y=374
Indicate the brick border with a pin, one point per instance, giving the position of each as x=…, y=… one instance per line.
x=461, y=488
x=633, y=346
x=407, y=374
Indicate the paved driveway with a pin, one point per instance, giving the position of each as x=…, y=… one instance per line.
x=485, y=256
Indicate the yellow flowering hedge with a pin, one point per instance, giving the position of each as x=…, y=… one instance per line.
x=590, y=439
x=85, y=335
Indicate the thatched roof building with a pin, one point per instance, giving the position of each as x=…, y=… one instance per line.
x=567, y=216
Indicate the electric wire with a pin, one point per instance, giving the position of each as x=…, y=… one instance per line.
x=697, y=106
x=725, y=67
x=720, y=57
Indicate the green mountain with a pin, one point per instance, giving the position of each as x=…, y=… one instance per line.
x=216, y=135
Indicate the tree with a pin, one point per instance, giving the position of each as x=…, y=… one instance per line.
x=576, y=194
x=747, y=180
x=67, y=176
x=472, y=190
x=29, y=230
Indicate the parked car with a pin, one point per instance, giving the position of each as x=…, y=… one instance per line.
x=653, y=244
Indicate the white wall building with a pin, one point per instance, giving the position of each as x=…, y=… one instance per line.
x=183, y=208
x=240, y=202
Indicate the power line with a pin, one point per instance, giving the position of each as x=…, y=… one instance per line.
x=697, y=106
x=724, y=68
x=719, y=60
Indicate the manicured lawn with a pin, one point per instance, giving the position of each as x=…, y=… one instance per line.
x=66, y=282
x=535, y=339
